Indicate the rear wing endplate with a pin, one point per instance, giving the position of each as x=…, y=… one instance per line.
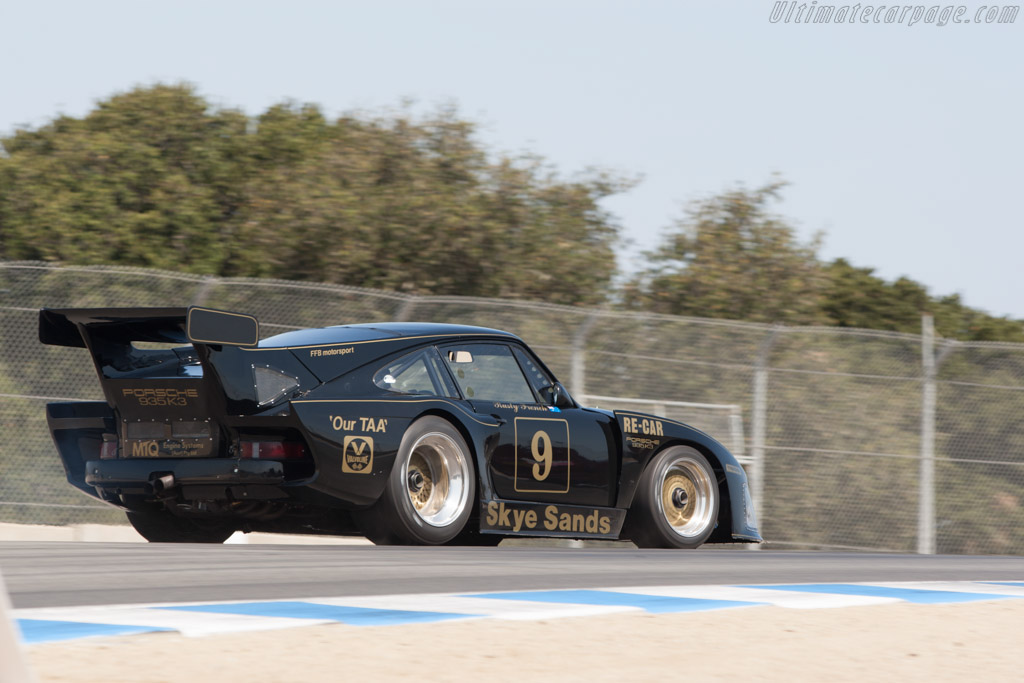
x=210, y=326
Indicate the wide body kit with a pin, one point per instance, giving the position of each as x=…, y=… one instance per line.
x=404, y=432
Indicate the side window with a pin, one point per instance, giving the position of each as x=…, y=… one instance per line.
x=441, y=373
x=411, y=374
x=488, y=372
x=540, y=382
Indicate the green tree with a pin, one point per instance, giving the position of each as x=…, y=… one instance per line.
x=729, y=257
x=142, y=180
x=416, y=207
x=856, y=297
x=156, y=177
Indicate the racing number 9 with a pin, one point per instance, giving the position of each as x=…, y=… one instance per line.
x=541, y=449
x=541, y=455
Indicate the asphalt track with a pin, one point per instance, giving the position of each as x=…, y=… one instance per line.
x=69, y=574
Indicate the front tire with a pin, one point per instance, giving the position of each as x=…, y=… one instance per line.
x=430, y=492
x=676, y=503
x=163, y=527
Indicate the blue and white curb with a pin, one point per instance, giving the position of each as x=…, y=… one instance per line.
x=52, y=624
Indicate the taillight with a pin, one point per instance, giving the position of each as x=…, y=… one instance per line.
x=108, y=451
x=271, y=450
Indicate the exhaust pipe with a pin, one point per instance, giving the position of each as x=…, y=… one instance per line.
x=164, y=483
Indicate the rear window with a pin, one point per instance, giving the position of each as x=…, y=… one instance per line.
x=148, y=359
x=417, y=373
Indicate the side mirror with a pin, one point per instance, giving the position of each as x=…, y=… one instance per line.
x=560, y=397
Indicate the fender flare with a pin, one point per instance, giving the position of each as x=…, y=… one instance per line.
x=643, y=436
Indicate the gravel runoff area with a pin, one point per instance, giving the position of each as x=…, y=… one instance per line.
x=901, y=642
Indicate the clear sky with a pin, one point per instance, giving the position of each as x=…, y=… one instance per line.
x=904, y=144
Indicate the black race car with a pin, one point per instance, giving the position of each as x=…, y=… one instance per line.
x=410, y=433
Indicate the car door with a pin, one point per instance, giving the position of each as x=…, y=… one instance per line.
x=541, y=453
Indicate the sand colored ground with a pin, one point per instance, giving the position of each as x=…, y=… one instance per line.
x=972, y=642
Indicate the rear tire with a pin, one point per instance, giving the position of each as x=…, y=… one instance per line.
x=676, y=502
x=163, y=527
x=430, y=492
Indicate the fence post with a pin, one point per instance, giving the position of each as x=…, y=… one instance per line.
x=402, y=315
x=578, y=367
x=926, y=490
x=204, y=290
x=758, y=426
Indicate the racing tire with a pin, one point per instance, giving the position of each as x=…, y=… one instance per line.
x=163, y=527
x=430, y=492
x=676, y=502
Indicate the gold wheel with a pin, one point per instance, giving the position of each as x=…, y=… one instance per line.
x=437, y=477
x=688, y=494
x=677, y=494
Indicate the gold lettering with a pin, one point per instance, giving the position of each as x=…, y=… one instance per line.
x=492, y=513
x=318, y=353
x=161, y=396
x=517, y=519
x=643, y=426
x=606, y=525
x=541, y=449
x=145, y=449
x=503, y=515
x=551, y=518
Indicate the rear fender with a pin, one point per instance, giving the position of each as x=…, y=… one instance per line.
x=355, y=441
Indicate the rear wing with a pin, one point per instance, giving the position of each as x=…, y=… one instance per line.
x=152, y=360
x=77, y=327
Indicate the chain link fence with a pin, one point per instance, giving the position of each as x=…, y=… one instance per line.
x=845, y=449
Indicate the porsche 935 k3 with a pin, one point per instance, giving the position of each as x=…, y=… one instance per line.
x=407, y=433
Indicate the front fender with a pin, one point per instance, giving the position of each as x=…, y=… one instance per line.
x=645, y=435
